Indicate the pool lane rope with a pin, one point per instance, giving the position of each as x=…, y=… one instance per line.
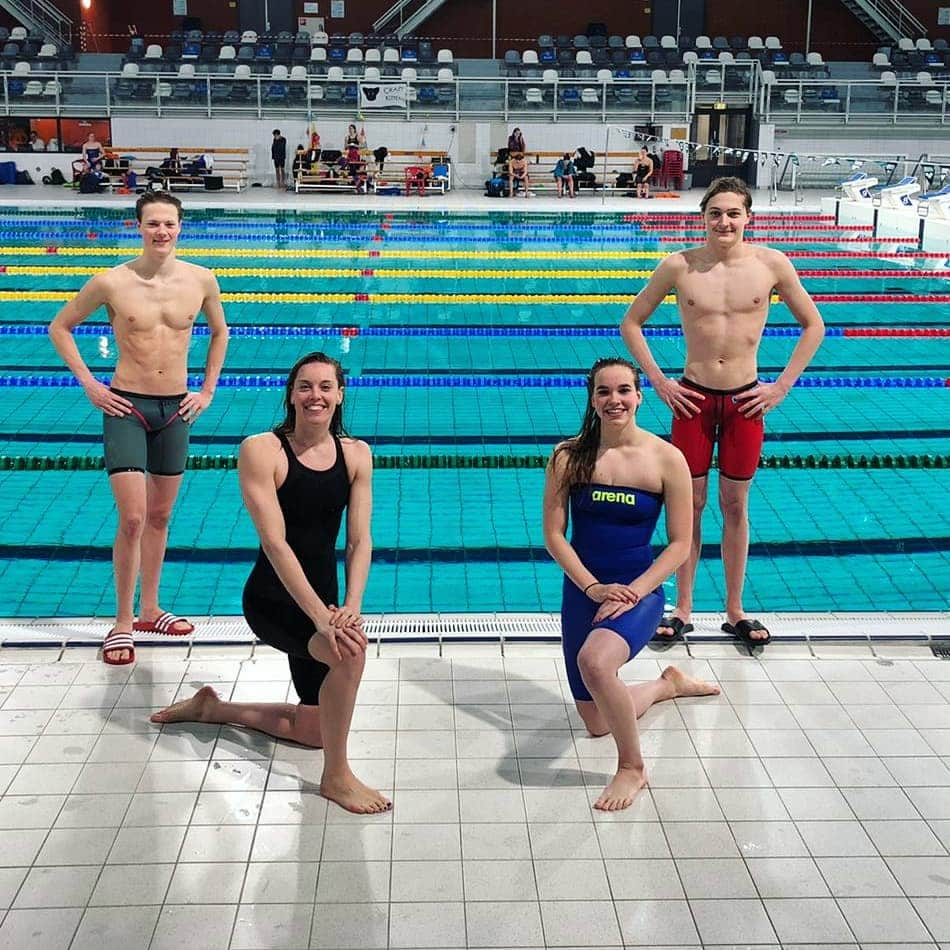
x=577, y=253
x=470, y=381
x=261, y=331
x=73, y=463
x=40, y=296
x=391, y=273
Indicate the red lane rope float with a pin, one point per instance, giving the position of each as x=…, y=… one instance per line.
x=832, y=240
x=884, y=255
x=881, y=298
x=896, y=331
x=817, y=239
x=647, y=226
x=808, y=272
x=692, y=216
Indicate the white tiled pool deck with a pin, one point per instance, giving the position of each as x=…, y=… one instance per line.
x=807, y=806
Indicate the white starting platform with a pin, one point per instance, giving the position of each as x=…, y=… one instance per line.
x=935, y=204
x=898, y=195
x=857, y=187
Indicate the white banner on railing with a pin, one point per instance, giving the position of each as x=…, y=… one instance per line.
x=380, y=97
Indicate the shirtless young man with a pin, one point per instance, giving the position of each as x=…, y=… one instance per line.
x=723, y=289
x=152, y=302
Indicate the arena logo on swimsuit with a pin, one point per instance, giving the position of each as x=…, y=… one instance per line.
x=625, y=498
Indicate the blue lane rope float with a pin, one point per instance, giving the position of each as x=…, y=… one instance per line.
x=104, y=329
x=348, y=330
x=477, y=381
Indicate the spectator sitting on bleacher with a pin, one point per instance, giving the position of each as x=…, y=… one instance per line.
x=564, y=173
x=642, y=173
x=517, y=174
x=92, y=151
x=300, y=163
x=36, y=143
x=357, y=168
x=172, y=164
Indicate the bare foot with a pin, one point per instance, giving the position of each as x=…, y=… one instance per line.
x=195, y=709
x=350, y=793
x=684, y=685
x=621, y=792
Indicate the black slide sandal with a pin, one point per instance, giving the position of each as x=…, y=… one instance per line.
x=743, y=631
x=678, y=627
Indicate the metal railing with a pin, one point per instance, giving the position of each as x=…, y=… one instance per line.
x=894, y=17
x=82, y=93
x=817, y=102
x=854, y=102
x=420, y=10
x=42, y=16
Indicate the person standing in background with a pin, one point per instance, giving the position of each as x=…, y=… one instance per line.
x=278, y=154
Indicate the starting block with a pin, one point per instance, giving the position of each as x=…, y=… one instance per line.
x=900, y=194
x=857, y=187
x=935, y=204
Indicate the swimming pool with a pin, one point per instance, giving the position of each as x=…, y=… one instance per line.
x=466, y=338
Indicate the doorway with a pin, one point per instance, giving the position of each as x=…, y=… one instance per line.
x=268, y=16
x=715, y=130
x=688, y=15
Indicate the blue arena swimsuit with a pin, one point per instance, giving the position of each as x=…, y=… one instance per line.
x=611, y=530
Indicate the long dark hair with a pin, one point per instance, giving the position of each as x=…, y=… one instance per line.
x=581, y=451
x=290, y=418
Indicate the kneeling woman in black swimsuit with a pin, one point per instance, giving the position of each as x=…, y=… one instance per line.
x=296, y=482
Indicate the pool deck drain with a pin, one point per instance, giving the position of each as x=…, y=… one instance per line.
x=815, y=633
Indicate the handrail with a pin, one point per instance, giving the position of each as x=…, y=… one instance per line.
x=43, y=14
x=901, y=21
x=395, y=9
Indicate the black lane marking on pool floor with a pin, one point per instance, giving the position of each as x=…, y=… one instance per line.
x=485, y=555
x=544, y=438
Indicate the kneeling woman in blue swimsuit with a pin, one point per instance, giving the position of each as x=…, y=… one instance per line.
x=613, y=478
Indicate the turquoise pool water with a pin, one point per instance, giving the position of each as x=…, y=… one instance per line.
x=465, y=339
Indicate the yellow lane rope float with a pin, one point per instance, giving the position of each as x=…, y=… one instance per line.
x=41, y=295
x=337, y=253
x=379, y=272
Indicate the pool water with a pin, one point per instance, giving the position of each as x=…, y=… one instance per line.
x=466, y=339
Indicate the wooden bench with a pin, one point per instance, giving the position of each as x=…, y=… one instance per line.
x=230, y=165
x=541, y=170
x=330, y=176
x=434, y=165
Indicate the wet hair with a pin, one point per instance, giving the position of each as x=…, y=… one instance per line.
x=276, y=132
x=581, y=451
x=290, y=413
x=157, y=197
x=731, y=185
